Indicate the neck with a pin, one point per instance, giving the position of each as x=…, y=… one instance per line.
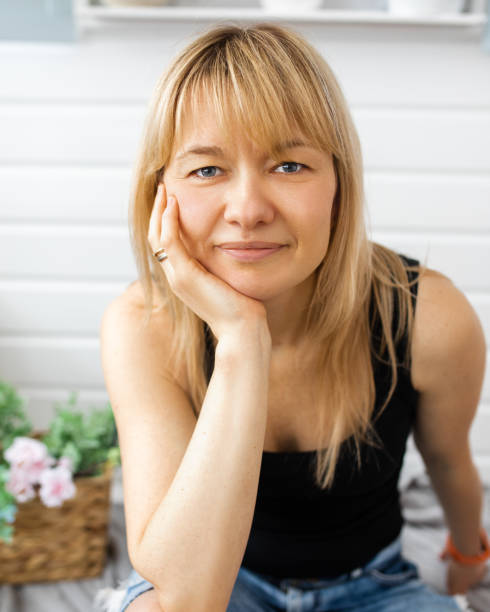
x=286, y=315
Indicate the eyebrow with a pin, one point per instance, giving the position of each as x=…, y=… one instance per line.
x=214, y=150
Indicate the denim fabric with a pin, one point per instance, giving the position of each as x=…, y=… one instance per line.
x=137, y=585
x=387, y=583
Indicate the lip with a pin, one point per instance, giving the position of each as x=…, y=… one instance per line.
x=250, y=245
x=249, y=253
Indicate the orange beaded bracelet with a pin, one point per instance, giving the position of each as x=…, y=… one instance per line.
x=453, y=552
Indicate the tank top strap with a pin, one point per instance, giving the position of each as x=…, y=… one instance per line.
x=412, y=276
x=376, y=329
x=208, y=352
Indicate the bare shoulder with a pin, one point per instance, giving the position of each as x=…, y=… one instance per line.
x=128, y=311
x=124, y=321
x=132, y=304
x=446, y=327
x=133, y=298
x=448, y=366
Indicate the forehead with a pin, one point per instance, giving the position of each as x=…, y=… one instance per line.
x=200, y=125
x=196, y=149
x=203, y=141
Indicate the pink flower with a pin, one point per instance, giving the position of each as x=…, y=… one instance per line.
x=66, y=462
x=56, y=486
x=29, y=455
x=19, y=485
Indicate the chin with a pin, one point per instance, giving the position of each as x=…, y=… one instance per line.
x=261, y=296
x=255, y=290
x=248, y=289
x=247, y=282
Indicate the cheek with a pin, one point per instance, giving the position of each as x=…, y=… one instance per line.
x=316, y=235
x=319, y=220
x=195, y=224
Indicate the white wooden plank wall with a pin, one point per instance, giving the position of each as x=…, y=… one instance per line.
x=70, y=121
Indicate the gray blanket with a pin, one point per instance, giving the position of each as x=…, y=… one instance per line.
x=423, y=537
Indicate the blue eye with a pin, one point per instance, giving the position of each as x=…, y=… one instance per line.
x=207, y=176
x=203, y=168
x=290, y=164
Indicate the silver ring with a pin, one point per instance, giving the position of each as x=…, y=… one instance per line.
x=160, y=255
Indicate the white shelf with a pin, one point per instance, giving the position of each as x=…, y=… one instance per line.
x=189, y=13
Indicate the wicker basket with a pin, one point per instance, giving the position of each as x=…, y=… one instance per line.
x=61, y=543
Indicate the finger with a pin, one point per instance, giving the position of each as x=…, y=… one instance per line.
x=155, y=217
x=169, y=233
x=154, y=227
x=170, y=236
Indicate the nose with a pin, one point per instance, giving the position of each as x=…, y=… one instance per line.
x=248, y=203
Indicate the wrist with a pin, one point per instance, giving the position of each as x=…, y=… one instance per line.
x=247, y=338
x=475, y=559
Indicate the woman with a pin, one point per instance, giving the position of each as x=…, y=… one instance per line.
x=267, y=368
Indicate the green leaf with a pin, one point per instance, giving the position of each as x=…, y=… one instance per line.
x=4, y=474
x=71, y=451
x=13, y=420
x=87, y=440
x=114, y=456
x=7, y=513
x=6, y=532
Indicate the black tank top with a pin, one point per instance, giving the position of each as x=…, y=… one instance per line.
x=300, y=531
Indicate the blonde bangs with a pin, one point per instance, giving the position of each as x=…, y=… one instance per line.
x=269, y=111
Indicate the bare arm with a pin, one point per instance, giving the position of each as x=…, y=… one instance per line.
x=449, y=350
x=194, y=543
x=190, y=486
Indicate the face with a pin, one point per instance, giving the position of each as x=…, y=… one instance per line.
x=240, y=195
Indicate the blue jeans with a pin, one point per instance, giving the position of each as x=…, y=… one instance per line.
x=387, y=583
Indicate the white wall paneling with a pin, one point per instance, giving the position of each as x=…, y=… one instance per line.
x=42, y=308
x=51, y=193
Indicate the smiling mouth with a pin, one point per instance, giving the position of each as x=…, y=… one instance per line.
x=248, y=253
x=250, y=245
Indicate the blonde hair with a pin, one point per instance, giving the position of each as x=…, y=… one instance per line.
x=269, y=81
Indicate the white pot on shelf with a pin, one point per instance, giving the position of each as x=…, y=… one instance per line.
x=287, y=6
x=415, y=8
